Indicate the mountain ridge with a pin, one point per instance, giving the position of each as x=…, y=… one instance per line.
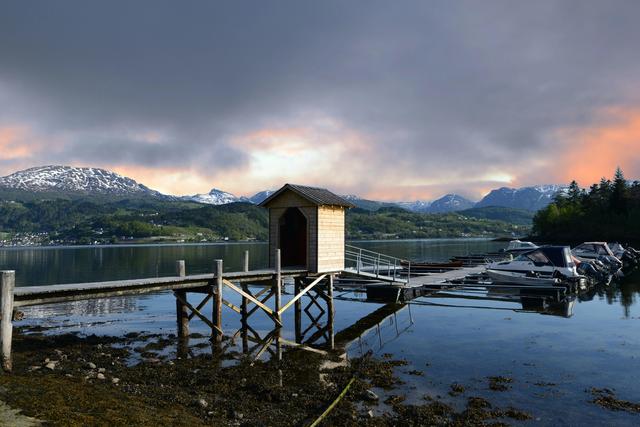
x=70, y=181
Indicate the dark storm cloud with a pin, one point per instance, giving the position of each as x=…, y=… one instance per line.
x=436, y=86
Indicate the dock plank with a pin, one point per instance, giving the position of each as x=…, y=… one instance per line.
x=33, y=295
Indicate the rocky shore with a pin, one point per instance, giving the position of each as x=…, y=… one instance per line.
x=70, y=380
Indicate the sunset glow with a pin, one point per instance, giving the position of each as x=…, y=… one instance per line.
x=593, y=152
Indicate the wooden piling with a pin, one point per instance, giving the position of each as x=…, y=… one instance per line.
x=243, y=307
x=298, y=311
x=217, y=302
x=7, y=284
x=244, y=319
x=330, y=312
x=278, y=285
x=182, y=311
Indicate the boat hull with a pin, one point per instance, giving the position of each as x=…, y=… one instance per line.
x=520, y=279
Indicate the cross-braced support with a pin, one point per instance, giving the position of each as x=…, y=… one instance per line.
x=318, y=288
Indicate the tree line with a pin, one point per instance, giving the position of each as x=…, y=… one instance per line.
x=607, y=211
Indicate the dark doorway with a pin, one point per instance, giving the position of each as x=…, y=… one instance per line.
x=293, y=238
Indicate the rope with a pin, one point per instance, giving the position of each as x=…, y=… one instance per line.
x=335, y=402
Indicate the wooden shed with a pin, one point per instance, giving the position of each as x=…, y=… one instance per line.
x=307, y=224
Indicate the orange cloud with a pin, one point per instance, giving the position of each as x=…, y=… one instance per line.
x=178, y=181
x=595, y=151
x=12, y=144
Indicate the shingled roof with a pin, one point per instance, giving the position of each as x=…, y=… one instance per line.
x=318, y=196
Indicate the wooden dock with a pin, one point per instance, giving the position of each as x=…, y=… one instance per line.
x=208, y=286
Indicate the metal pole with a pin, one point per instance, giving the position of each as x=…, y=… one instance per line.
x=246, y=261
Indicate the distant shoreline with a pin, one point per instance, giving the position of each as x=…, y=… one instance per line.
x=235, y=242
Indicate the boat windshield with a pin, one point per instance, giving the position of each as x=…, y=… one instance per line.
x=537, y=257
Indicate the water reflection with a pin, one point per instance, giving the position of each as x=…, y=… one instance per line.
x=91, y=307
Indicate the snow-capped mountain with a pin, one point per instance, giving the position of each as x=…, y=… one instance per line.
x=215, y=197
x=450, y=203
x=370, y=205
x=260, y=196
x=446, y=203
x=71, y=180
x=529, y=198
x=416, y=206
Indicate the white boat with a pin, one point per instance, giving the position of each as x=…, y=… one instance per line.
x=544, y=266
x=600, y=251
x=516, y=247
x=520, y=278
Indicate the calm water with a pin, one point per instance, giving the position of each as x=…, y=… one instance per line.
x=449, y=338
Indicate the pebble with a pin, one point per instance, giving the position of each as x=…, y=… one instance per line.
x=102, y=370
x=202, y=403
x=47, y=360
x=50, y=365
x=100, y=376
x=91, y=365
x=370, y=414
x=34, y=368
x=371, y=395
x=115, y=380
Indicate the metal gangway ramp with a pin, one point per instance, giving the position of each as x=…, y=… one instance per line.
x=374, y=265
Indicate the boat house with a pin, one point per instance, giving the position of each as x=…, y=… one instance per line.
x=307, y=224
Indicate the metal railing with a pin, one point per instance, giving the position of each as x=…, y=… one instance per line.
x=366, y=261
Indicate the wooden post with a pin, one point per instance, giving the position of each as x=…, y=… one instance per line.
x=298, y=311
x=278, y=285
x=246, y=261
x=243, y=308
x=244, y=318
x=182, y=311
x=7, y=284
x=330, y=312
x=217, y=302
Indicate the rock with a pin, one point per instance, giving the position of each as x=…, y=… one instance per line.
x=370, y=414
x=34, y=368
x=47, y=360
x=115, y=380
x=102, y=370
x=202, y=403
x=91, y=365
x=50, y=365
x=370, y=395
x=100, y=376
x=68, y=375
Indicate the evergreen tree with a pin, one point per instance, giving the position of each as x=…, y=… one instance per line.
x=574, y=194
x=619, y=192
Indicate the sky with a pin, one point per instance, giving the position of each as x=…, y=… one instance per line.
x=388, y=100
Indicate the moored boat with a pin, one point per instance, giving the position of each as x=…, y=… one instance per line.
x=544, y=266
